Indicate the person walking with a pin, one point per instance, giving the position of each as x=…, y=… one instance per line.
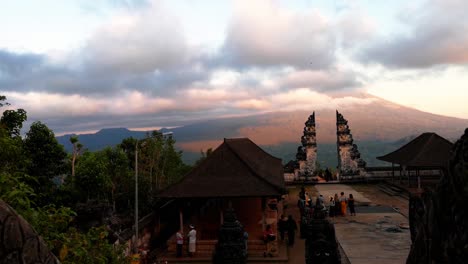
x=352, y=211
x=192, y=236
x=343, y=202
x=292, y=227
x=180, y=243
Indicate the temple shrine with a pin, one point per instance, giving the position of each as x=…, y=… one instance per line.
x=237, y=176
x=350, y=162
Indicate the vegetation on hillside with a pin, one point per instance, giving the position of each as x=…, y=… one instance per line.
x=45, y=185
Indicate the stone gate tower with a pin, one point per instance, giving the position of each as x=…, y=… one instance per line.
x=307, y=153
x=349, y=158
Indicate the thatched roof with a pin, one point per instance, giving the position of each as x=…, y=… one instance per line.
x=427, y=150
x=237, y=168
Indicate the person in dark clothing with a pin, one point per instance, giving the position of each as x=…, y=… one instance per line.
x=302, y=193
x=337, y=205
x=282, y=226
x=328, y=176
x=352, y=211
x=292, y=227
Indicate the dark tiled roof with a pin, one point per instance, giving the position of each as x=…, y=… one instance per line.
x=237, y=168
x=427, y=150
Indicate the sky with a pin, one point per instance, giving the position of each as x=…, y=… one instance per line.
x=84, y=65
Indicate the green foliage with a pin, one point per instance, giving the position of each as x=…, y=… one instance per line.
x=46, y=159
x=26, y=169
x=15, y=191
x=12, y=121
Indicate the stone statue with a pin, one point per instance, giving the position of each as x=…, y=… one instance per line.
x=439, y=218
x=230, y=248
x=321, y=245
x=19, y=243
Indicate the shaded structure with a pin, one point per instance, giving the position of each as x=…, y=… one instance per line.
x=427, y=151
x=439, y=217
x=350, y=162
x=19, y=242
x=238, y=175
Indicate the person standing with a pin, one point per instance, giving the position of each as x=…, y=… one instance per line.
x=343, y=202
x=337, y=205
x=179, y=242
x=269, y=237
x=246, y=239
x=282, y=227
x=292, y=227
x=192, y=236
x=331, y=207
x=352, y=211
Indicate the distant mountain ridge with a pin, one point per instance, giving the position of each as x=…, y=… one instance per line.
x=377, y=127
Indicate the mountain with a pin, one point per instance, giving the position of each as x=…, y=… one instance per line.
x=378, y=127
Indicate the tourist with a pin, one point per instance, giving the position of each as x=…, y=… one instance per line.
x=351, y=205
x=328, y=176
x=308, y=200
x=343, y=201
x=302, y=193
x=282, y=227
x=179, y=242
x=246, y=239
x=292, y=227
x=192, y=236
x=331, y=207
x=337, y=205
x=269, y=236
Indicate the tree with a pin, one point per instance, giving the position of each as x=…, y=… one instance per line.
x=77, y=146
x=46, y=157
x=12, y=121
x=204, y=155
x=119, y=175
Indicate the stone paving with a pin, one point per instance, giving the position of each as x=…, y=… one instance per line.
x=373, y=235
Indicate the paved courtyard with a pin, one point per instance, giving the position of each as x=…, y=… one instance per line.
x=372, y=236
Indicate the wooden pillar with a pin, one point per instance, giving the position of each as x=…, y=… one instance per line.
x=393, y=173
x=419, y=179
x=263, y=213
x=221, y=216
x=159, y=224
x=181, y=220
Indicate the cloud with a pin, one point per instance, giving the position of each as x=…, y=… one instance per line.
x=263, y=34
x=138, y=41
x=437, y=36
x=15, y=64
x=320, y=80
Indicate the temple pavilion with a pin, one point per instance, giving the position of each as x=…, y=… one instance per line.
x=239, y=175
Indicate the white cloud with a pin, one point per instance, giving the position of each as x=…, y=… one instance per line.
x=262, y=33
x=139, y=41
x=436, y=36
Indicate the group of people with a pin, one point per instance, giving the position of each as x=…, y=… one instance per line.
x=338, y=205
x=192, y=242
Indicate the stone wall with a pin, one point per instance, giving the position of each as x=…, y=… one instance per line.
x=19, y=243
x=439, y=217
